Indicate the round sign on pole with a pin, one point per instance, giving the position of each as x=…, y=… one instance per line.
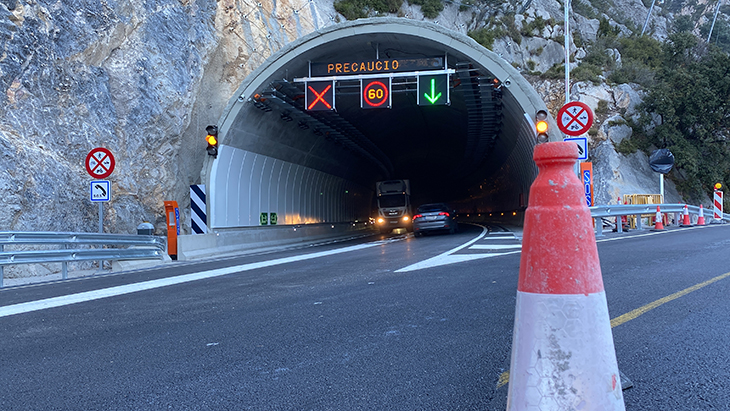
x=100, y=163
x=575, y=118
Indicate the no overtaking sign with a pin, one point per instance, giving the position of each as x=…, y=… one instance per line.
x=575, y=118
x=100, y=163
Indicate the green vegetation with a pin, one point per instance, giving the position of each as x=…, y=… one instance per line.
x=429, y=8
x=485, y=36
x=584, y=8
x=689, y=95
x=358, y=9
x=536, y=25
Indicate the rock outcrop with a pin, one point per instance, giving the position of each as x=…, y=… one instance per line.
x=144, y=82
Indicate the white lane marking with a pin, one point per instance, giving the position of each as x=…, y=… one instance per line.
x=494, y=246
x=501, y=237
x=164, y=282
x=441, y=258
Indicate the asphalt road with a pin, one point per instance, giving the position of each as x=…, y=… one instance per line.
x=390, y=323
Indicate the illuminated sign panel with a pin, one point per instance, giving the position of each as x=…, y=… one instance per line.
x=375, y=93
x=319, y=95
x=433, y=90
x=376, y=66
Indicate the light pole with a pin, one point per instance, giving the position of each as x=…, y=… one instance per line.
x=717, y=9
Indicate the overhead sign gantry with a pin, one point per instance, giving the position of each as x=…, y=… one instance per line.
x=376, y=78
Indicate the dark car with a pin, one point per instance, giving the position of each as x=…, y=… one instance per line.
x=434, y=217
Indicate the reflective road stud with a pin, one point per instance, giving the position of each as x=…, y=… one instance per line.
x=563, y=356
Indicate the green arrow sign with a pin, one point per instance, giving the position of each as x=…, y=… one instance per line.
x=433, y=89
x=433, y=97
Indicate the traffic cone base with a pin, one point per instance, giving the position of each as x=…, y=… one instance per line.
x=563, y=357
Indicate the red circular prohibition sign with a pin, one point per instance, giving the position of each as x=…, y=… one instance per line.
x=375, y=94
x=100, y=162
x=575, y=118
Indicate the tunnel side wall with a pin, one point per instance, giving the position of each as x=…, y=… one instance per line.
x=247, y=184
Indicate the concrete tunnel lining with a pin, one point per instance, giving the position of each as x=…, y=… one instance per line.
x=265, y=165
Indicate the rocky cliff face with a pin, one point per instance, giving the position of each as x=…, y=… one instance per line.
x=144, y=78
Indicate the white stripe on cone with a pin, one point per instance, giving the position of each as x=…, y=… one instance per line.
x=563, y=356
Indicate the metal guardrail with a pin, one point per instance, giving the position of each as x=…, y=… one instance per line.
x=138, y=247
x=618, y=210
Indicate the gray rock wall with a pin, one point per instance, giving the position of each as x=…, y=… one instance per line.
x=144, y=78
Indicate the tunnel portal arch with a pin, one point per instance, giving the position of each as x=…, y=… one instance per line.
x=307, y=167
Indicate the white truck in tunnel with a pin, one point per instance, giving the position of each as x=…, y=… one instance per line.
x=394, y=205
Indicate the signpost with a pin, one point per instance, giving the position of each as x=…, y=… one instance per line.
x=101, y=191
x=586, y=172
x=575, y=118
x=582, y=143
x=100, y=164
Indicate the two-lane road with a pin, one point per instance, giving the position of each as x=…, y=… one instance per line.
x=382, y=323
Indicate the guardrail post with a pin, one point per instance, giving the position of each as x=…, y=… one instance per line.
x=638, y=222
x=599, y=226
x=1, y=268
x=64, y=270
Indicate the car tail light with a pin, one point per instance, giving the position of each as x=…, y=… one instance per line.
x=444, y=213
x=417, y=216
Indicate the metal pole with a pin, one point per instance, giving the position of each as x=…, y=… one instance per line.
x=661, y=186
x=101, y=229
x=567, y=54
x=647, y=17
x=717, y=9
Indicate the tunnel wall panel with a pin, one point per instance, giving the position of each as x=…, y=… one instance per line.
x=247, y=184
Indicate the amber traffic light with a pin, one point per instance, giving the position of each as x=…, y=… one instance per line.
x=541, y=126
x=212, y=140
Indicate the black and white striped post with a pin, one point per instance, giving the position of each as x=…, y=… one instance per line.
x=198, y=218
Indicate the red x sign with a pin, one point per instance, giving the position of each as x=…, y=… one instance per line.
x=575, y=118
x=320, y=95
x=100, y=163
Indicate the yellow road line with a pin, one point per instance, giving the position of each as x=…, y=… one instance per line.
x=641, y=310
x=504, y=377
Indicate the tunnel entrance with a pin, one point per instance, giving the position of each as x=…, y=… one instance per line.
x=305, y=166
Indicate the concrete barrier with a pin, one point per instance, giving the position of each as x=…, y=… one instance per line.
x=249, y=239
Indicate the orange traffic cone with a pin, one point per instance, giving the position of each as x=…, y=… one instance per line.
x=701, y=217
x=685, y=218
x=658, y=225
x=563, y=356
